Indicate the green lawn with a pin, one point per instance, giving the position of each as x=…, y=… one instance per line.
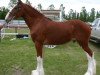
x=18, y=57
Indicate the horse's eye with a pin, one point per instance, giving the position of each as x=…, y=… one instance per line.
x=19, y=8
x=16, y=8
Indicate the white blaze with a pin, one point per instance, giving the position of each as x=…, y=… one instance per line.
x=9, y=13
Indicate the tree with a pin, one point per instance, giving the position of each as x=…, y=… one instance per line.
x=74, y=15
x=70, y=14
x=98, y=14
x=39, y=7
x=51, y=7
x=77, y=16
x=28, y=2
x=83, y=14
x=3, y=12
x=92, y=15
x=12, y=3
x=88, y=17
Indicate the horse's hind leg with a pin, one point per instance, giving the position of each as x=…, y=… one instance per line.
x=91, y=61
x=90, y=56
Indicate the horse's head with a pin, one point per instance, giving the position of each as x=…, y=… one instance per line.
x=15, y=12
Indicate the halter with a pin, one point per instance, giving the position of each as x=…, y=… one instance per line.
x=17, y=10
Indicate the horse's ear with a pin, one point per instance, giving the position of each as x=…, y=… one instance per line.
x=19, y=1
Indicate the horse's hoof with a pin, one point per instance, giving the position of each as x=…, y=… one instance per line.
x=88, y=73
x=35, y=72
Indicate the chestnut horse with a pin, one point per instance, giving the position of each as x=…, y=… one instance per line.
x=45, y=31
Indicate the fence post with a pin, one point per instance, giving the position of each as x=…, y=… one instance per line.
x=0, y=35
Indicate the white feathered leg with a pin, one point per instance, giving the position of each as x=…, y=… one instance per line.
x=39, y=70
x=91, y=65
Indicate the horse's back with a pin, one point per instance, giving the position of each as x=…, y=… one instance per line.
x=62, y=32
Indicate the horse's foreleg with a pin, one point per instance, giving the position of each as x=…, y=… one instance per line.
x=39, y=70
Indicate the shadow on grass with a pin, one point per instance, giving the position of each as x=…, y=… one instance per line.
x=96, y=45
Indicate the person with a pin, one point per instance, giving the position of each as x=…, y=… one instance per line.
x=1, y=26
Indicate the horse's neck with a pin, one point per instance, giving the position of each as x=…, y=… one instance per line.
x=32, y=17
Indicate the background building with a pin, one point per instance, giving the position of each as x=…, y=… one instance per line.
x=52, y=13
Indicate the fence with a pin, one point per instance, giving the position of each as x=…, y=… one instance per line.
x=16, y=24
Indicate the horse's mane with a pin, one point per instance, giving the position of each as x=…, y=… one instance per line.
x=34, y=10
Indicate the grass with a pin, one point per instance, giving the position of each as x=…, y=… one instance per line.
x=18, y=30
x=18, y=57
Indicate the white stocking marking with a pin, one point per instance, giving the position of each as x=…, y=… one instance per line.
x=39, y=70
x=91, y=65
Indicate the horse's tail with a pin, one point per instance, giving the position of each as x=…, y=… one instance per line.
x=90, y=25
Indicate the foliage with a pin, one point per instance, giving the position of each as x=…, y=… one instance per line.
x=83, y=15
x=92, y=14
x=12, y=3
x=98, y=14
x=3, y=12
x=51, y=7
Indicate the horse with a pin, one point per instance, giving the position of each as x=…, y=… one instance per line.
x=44, y=31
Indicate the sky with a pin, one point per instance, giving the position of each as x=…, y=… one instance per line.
x=68, y=4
